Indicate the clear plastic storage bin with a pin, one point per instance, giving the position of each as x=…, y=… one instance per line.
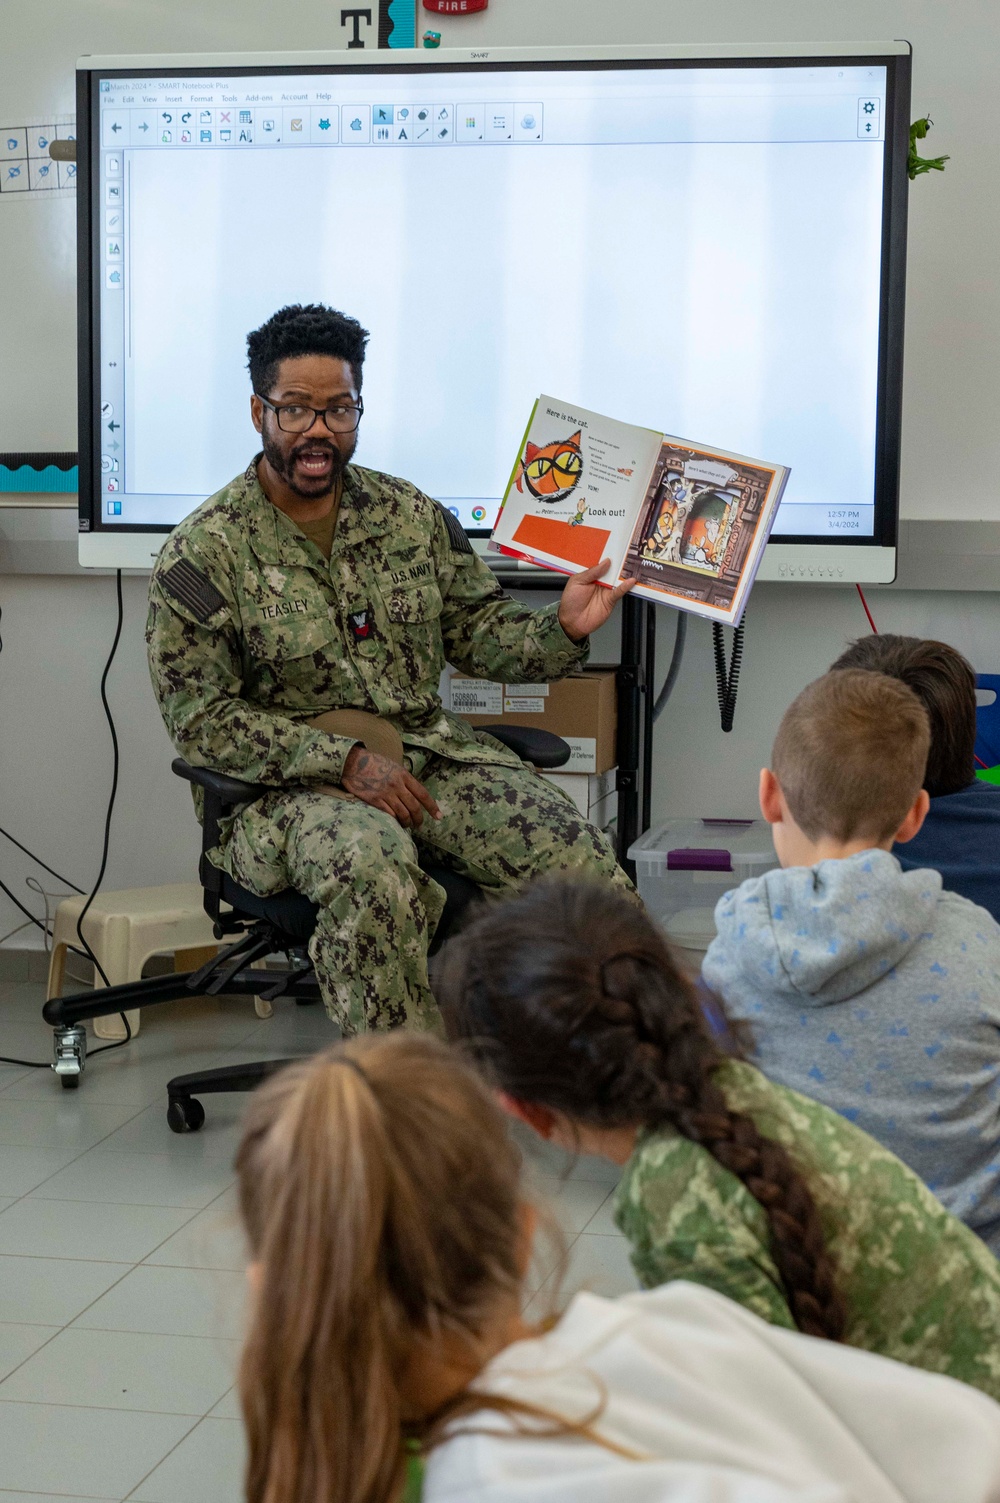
x=685, y=865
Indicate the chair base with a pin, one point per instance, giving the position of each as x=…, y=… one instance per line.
x=185, y=1112
x=231, y=971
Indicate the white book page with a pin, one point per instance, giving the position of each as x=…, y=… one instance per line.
x=576, y=488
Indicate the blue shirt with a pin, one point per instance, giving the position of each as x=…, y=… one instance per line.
x=960, y=838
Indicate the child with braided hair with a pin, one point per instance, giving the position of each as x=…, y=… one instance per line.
x=572, y=1004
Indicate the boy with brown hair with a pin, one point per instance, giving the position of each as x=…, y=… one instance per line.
x=960, y=838
x=869, y=988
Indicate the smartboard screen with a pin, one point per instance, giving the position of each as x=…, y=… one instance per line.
x=697, y=249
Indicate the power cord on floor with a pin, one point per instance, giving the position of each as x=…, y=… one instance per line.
x=85, y=949
x=29, y=916
x=39, y=862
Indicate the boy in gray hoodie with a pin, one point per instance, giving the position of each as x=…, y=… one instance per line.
x=869, y=988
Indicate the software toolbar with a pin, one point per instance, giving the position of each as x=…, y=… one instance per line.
x=309, y=124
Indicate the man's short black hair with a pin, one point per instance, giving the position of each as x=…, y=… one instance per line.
x=304, y=329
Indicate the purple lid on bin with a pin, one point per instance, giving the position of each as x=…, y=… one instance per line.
x=691, y=859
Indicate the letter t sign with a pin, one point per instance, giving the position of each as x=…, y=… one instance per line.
x=355, y=16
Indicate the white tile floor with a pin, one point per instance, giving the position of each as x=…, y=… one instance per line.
x=121, y=1266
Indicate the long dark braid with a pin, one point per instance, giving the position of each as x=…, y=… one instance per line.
x=570, y=999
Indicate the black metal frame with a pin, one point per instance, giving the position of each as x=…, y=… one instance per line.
x=279, y=407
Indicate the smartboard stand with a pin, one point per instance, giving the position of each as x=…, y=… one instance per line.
x=635, y=670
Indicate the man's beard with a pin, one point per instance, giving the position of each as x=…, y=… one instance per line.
x=309, y=489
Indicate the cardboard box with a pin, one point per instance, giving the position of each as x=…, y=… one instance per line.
x=595, y=794
x=582, y=708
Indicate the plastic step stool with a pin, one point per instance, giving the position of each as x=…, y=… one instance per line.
x=124, y=929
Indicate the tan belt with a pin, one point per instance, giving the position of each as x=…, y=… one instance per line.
x=378, y=735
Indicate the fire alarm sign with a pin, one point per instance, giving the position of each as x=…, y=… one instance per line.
x=455, y=7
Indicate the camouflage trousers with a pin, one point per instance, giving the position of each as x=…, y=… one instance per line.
x=378, y=909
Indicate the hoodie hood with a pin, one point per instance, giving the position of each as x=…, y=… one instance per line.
x=820, y=934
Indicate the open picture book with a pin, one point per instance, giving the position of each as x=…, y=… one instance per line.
x=688, y=523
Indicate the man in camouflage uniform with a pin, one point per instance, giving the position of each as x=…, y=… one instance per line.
x=307, y=585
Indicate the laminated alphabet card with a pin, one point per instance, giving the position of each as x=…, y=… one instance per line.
x=686, y=522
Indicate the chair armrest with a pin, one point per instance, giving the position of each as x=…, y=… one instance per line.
x=227, y=790
x=540, y=748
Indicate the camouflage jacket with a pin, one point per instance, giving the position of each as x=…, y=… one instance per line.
x=919, y=1286
x=252, y=632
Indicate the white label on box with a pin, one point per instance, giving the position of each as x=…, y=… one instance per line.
x=518, y=691
x=582, y=753
x=476, y=696
x=523, y=705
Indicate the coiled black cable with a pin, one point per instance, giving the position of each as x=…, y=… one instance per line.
x=727, y=678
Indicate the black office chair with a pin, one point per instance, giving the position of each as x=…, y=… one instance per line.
x=280, y=923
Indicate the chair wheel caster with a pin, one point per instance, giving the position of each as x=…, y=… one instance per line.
x=185, y=1115
x=69, y=1054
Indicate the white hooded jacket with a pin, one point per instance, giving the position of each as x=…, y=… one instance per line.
x=717, y=1407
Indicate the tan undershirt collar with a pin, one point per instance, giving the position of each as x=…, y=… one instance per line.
x=321, y=532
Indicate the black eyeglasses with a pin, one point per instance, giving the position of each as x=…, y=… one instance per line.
x=293, y=417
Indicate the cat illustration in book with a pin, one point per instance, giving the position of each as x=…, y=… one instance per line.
x=550, y=473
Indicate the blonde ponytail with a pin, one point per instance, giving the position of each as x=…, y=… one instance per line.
x=379, y=1191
